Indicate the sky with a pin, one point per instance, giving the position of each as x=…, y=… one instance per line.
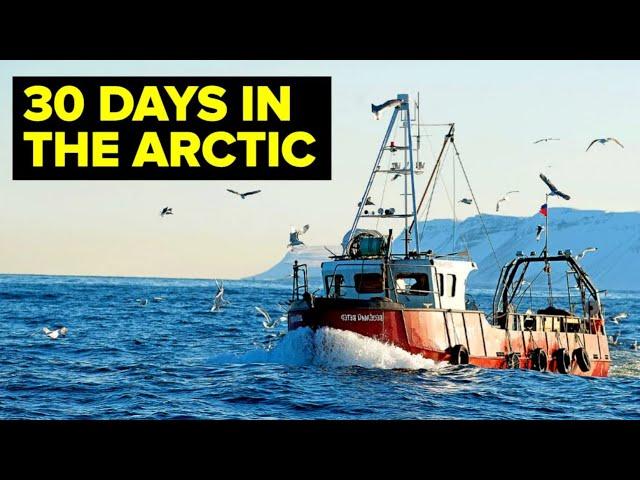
x=499, y=108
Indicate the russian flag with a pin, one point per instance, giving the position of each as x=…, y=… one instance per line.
x=543, y=210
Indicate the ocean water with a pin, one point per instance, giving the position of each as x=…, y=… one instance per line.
x=175, y=359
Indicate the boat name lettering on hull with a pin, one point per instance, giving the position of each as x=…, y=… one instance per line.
x=369, y=317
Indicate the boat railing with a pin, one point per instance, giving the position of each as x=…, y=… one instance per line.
x=412, y=256
x=526, y=321
x=297, y=286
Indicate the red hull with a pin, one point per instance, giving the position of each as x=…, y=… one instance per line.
x=433, y=333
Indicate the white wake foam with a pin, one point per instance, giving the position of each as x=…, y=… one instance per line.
x=333, y=348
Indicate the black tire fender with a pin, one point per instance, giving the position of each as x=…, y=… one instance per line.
x=459, y=355
x=513, y=360
x=581, y=357
x=563, y=360
x=539, y=361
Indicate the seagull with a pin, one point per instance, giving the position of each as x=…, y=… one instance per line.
x=142, y=301
x=552, y=187
x=166, y=211
x=539, y=230
x=218, y=299
x=242, y=195
x=367, y=202
x=616, y=318
x=603, y=141
x=158, y=299
x=54, y=334
x=375, y=109
x=504, y=198
x=585, y=251
x=395, y=177
x=294, y=235
x=634, y=345
x=267, y=322
x=545, y=140
x=613, y=339
x=466, y=201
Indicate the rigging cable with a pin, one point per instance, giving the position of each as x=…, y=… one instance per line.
x=473, y=196
x=452, y=205
x=426, y=215
x=436, y=173
x=386, y=178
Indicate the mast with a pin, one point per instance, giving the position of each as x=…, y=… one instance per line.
x=448, y=137
x=376, y=165
x=409, y=140
x=547, y=265
x=546, y=225
x=408, y=167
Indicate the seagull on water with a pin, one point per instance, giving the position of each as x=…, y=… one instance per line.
x=267, y=322
x=552, y=187
x=545, y=140
x=585, y=251
x=539, y=230
x=243, y=195
x=603, y=141
x=166, y=211
x=294, y=236
x=613, y=339
x=466, y=201
x=634, y=345
x=504, y=198
x=54, y=334
x=616, y=318
x=142, y=301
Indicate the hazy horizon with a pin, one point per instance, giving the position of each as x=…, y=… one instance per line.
x=102, y=228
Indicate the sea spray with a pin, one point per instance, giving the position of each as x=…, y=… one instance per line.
x=332, y=348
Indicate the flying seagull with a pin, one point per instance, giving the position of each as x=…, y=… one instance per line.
x=54, y=334
x=294, y=236
x=613, y=339
x=267, y=322
x=242, y=195
x=545, y=140
x=218, y=299
x=466, y=201
x=504, y=198
x=603, y=141
x=552, y=187
x=616, y=318
x=166, y=211
x=539, y=230
x=396, y=176
x=367, y=202
x=585, y=251
x=375, y=109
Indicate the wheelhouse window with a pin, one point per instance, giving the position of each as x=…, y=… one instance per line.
x=451, y=285
x=368, y=282
x=412, y=283
x=334, y=285
x=447, y=288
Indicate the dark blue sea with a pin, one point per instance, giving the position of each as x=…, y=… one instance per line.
x=172, y=358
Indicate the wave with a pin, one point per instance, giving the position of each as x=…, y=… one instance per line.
x=331, y=348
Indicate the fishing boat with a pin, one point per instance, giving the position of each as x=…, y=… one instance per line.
x=416, y=299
